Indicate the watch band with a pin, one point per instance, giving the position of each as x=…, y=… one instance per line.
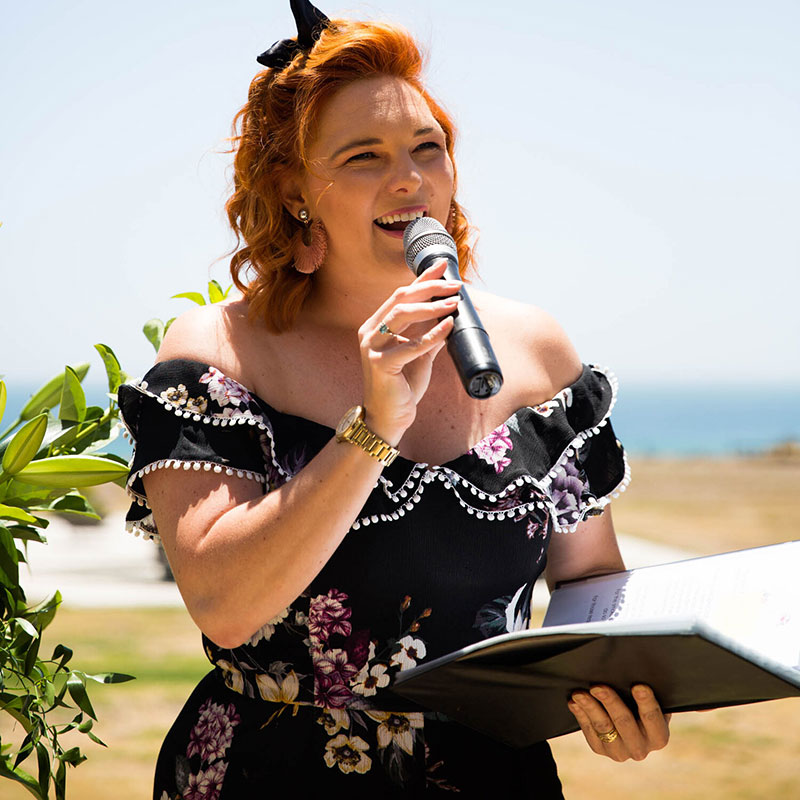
x=371, y=443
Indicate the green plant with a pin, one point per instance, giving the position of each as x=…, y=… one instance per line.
x=155, y=329
x=46, y=459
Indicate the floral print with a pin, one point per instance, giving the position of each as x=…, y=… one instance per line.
x=213, y=734
x=348, y=753
x=493, y=448
x=177, y=396
x=311, y=687
x=224, y=390
x=410, y=651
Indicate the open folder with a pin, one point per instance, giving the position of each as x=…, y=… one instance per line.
x=703, y=633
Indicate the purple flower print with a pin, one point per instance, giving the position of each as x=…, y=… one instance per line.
x=493, y=448
x=327, y=615
x=207, y=784
x=566, y=492
x=357, y=647
x=213, y=733
x=224, y=390
x=334, y=664
x=330, y=693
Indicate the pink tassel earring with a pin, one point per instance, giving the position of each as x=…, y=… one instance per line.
x=451, y=218
x=312, y=247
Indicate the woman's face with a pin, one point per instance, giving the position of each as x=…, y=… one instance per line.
x=378, y=154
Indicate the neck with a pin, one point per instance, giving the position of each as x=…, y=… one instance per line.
x=345, y=296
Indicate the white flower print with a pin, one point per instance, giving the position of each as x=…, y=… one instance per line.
x=232, y=676
x=228, y=413
x=368, y=681
x=333, y=720
x=224, y=390
x=411, y=650
x=177, y=396
x=397, y=727
x=348, y=753
x=197, y=404
x=284, y=691
x=267, y=629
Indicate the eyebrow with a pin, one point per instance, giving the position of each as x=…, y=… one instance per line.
x=373, y=141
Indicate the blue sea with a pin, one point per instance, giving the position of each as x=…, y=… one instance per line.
x=655, y=421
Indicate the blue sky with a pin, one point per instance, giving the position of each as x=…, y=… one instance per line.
x=633, y=168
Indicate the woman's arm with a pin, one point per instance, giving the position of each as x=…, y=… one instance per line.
x=239, y=557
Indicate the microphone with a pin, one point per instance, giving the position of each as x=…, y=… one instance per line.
x=425, y=241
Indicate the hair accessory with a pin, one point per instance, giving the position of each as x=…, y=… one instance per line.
x=310, y=23
x=311, y=249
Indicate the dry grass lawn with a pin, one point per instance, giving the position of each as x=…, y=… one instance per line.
x=744, y=753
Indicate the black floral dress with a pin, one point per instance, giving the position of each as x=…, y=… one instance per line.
x=439, y=557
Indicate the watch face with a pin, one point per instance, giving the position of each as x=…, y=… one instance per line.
x=348, y=419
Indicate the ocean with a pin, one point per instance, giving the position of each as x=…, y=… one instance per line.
x=653, y=421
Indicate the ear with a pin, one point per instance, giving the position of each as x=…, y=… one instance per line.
x=293, y=194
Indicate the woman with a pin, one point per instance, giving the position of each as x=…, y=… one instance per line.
x=318, y=564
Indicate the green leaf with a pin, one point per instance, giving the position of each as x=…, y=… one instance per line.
x=77, y=691
x=195, y=297
x=113, y=369
x=42, y=615
x=43, y=758
x=25, y=444
x=74, y=504
x=168, y=324
x=73, y=756
x=109, y=677
x=49, y=394
x=25, y=534
x=72, y=471
x=215, y=293
x=73, y=398
x=27, y=627
x=17, y=514
x=3, y=395
x=19, y=775
x=154, y=332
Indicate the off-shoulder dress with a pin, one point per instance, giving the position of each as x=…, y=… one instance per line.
x=439, y=557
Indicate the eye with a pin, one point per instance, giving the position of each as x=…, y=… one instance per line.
x=428, y=146
x=366, y=156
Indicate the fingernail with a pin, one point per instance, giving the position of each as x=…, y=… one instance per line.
x=598, y=692
x=640, y=692
x=581, y=699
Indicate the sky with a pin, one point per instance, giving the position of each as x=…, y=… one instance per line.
x=632, y=166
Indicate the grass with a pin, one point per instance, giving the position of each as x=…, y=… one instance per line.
x=740, y=753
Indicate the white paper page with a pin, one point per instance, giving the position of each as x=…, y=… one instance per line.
x=752, y=596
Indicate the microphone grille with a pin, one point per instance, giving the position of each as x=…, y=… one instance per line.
x=426, y=232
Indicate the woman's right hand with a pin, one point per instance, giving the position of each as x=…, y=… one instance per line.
x=397, y=364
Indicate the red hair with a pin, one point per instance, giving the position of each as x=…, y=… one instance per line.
x=271, y=136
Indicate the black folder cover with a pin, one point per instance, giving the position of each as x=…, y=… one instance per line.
x=515, y=687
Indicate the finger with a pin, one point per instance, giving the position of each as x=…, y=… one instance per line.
x=653, y=721
x=627, y=725
x=405, y=314
x=586, y=726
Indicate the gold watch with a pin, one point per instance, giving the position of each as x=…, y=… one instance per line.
x=352, y=428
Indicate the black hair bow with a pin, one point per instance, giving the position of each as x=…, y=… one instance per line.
x=310, y=23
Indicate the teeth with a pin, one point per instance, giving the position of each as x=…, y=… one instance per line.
x=407, y=216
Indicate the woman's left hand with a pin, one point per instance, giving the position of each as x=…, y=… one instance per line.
x=601, y=713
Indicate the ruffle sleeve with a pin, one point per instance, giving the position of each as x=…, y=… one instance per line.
x=186, y=415
x=554, y=465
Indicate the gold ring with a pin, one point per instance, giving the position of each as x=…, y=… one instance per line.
x=608, y=736
x=384, y=328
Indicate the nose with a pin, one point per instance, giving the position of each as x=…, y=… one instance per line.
x=405, y=177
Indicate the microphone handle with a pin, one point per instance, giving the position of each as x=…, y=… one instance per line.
x=469, y=346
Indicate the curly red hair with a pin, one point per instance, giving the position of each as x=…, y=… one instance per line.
x=271, y=136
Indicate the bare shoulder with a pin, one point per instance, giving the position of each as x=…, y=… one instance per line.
x=533, y=340
x=212, y=334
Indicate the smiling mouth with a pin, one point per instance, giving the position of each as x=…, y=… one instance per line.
x=397, y=223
